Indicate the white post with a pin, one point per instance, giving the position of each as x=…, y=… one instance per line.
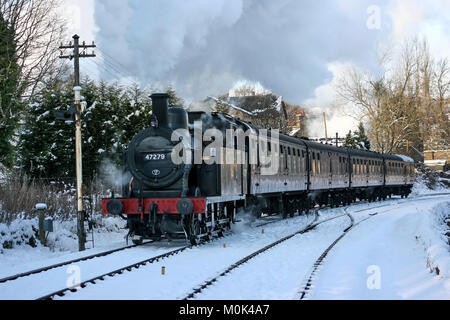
x=79, y=169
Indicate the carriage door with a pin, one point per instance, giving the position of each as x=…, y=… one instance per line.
x=345, y=170
x=367, y=168
x=405, y=173
x=330, y=179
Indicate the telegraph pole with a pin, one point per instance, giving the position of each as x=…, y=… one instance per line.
x=77, y=90
x=325, y=124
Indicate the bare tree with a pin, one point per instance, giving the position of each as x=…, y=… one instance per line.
x=38, y=31
x=406, y=104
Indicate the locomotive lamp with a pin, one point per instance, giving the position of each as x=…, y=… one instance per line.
x=114, y=207
x=154, y=122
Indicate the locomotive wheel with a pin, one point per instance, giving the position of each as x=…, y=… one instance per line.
x=193, y=240
x=195, y=231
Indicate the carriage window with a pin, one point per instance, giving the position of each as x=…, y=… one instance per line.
x=314, y=156
x=318, y=156
x=289, y=151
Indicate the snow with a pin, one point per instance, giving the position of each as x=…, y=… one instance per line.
x=45, y=114
x=62, y=243
x=436, y=243
x=3, y=174
x=420, y=187
x=405, y=158
x=278, y=103
x=406, y=241
x=41, y=206
x=232, y=106
x=436, y=162
x=388, y=242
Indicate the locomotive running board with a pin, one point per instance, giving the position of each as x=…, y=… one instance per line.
x=221, y=199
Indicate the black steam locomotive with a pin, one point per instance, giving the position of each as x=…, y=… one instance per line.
x=197, y=199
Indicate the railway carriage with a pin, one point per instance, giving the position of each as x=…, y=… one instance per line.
x=201, y=196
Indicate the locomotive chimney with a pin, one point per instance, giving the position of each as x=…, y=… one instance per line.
x=160, y=106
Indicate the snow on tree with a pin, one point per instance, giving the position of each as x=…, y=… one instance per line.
x=357, y=140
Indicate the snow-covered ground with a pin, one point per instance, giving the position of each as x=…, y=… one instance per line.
x=62, y=243
x=389, y=240
x=399, y=251
x=390, y=256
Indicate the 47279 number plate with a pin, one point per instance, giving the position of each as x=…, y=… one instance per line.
x=155, y=156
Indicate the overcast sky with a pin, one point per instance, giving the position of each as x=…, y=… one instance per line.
x=293, y=48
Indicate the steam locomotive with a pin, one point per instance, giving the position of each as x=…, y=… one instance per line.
x=201, y=196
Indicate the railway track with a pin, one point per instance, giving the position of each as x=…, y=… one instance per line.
x=174, y=252
x=62, y=264
x=210, y=282
x=102, y=277
x=310, y=227
x=236, y=265
x=106, y=253
x=306, y=288
x=129, y=268
x=309, y=282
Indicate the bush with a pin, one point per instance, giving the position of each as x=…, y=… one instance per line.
x=19, y=195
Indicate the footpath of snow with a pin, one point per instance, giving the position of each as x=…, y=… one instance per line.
x=390, y=256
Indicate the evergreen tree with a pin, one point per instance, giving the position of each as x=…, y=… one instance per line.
x=174, y=100
x=99, y=131
x=10, y=94
x=46, y=147
x=350, y=141
x=362, y=137
x=357, y=140
x=134, y=114
x=113, y=116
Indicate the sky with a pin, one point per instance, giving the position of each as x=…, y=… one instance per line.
x=294, y=48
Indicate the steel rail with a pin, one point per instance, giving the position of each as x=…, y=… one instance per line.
x=58, y=265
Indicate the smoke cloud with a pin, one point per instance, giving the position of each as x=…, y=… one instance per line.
x=204, y=47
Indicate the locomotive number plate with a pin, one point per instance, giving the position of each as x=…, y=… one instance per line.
x=155, y=156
